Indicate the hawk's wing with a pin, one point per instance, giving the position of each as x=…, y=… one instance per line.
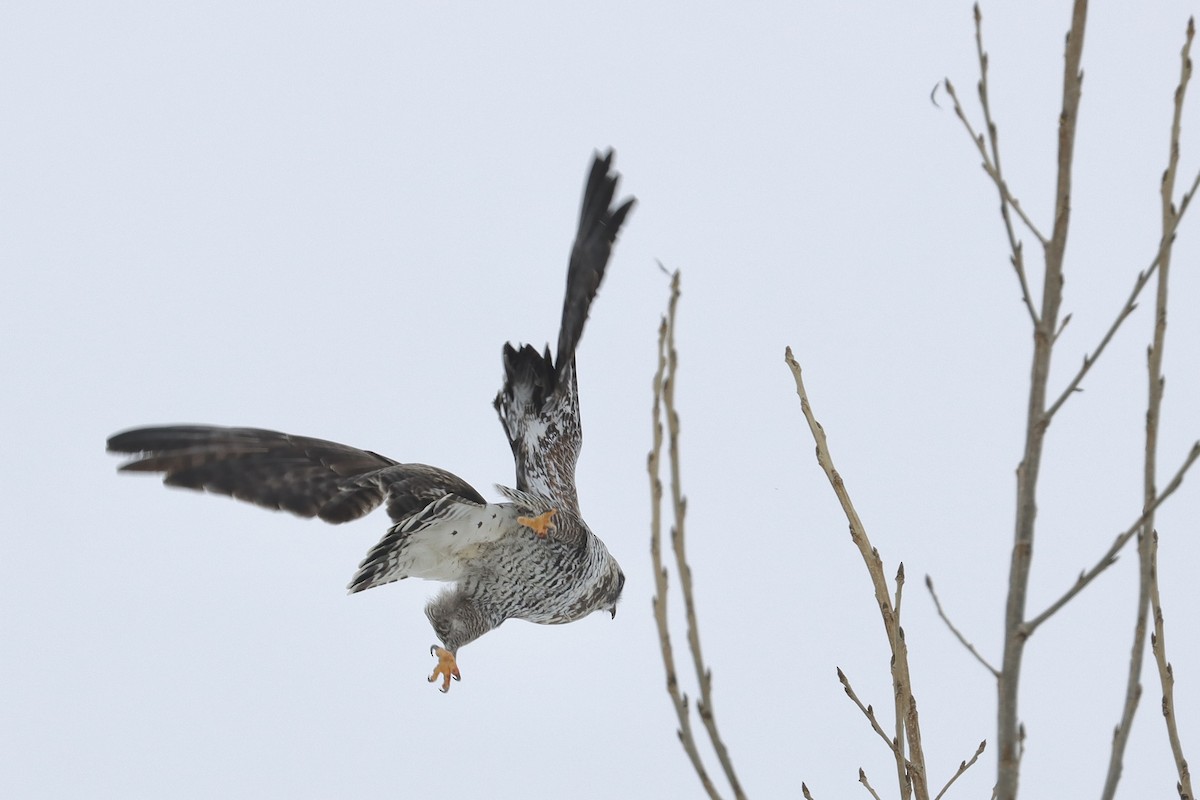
x=539, y=402
x=308, y=477
x=599, y=224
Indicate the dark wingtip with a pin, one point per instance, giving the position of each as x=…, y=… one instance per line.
x=158, y=438
x=618, y=217
x=140, y=442
x=124, y=441
x=599, y=225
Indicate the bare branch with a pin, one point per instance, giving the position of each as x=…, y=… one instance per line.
x=1130, y=303
x=1017, y=259
x=989, y=151
x=957, y=634
x=1110, y=557
x=678, y=700
x=862, y=778
x=1008, y=720
x=963, y=767
x=1167, y=679
x=1147, y=549
x=868, y=712
x=910, y=771
x=1150, y=596
x=664, y=406
x=989, y=165
x=704, y=707
x=1040, y=413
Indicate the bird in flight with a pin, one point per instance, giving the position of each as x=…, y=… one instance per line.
x=531, y=557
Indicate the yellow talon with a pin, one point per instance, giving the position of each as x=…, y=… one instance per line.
x=542, y=524
x=446, y=667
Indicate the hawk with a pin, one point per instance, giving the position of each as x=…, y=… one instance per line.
x=531, y=557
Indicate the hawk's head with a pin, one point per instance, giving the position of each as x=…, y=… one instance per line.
x=614, y=585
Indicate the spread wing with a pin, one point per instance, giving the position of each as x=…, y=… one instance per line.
x=539, y=402
x=308, y=477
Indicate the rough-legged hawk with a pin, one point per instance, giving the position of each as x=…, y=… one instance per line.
x=531, y=558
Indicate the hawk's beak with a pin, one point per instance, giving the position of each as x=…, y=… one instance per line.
x=613, y=611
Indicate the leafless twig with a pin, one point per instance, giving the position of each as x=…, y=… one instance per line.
x=957, y=634
x=963, y=767
x=1017, y=259
x=868, y=711
x=1008, y=719
x=1166, y=675
x=1110, y=556
x=991, y=165
x=1148, y=591
x=678, y=700
x=1143, y=278
x=664, y=405
x=911, y=773
x=862, y=778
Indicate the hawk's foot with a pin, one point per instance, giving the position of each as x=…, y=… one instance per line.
x=542, y=524
x=446, y=668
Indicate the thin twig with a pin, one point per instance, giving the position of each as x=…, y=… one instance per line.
x=993, y=137
x=862, y=778
x=1143, y=278
x=868, y=712
x=963, y=767
x=1066, y=320
x=664, y=406
x=896, y=631
x=1110, y=557
x=957, y=634
x=1017, y=259
x=1006, y=198
x=911, y=775
x=1149, y=549
x=1167, y=679
x=1147, y=537
x=989, y=167
x=678, y=700
x=704, y=707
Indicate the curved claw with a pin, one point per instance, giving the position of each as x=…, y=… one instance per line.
x=446, y=668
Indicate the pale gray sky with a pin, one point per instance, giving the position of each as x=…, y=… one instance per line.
x=326, y=219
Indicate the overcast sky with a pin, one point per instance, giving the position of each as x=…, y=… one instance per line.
x=326, y=219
